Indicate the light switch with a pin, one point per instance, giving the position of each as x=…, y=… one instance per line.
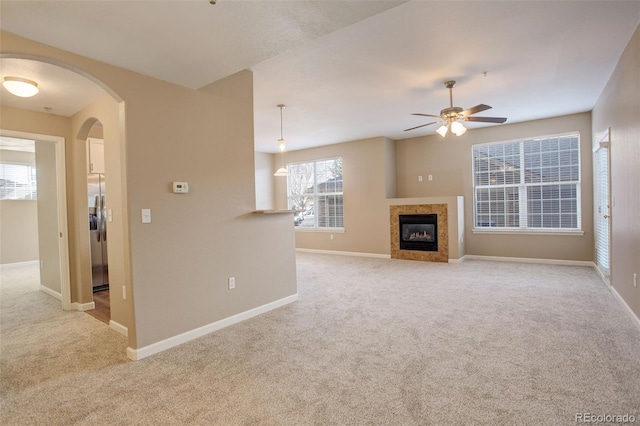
x=109, y=215
x=146, y=215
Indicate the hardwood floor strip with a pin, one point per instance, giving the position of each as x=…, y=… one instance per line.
x=102, y=310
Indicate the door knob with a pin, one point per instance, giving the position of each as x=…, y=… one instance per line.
x=606, y=216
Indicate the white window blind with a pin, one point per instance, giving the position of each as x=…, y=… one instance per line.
x=315, y=188
x=18, y=182
x=602, y=213
x=528, y=184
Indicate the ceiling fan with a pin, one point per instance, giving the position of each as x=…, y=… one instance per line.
x=452, y=116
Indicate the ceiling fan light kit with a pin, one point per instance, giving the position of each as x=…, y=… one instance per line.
x=452, y=117
x=442, y=130
x=458, y=128
x=20, y=86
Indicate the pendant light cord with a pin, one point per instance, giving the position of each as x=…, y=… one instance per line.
x=281, y=138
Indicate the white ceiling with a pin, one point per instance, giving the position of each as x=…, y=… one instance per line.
x=345, y=69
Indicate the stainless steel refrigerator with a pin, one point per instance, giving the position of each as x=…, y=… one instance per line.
x=98, y=232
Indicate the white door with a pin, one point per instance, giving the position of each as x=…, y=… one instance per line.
x=602, y=203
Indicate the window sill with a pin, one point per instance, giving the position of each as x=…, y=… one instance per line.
x=574, y=233
x=274, y=211
x=331, y=230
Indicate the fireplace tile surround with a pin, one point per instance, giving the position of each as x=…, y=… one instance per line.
x=442, y=255
x=454, y=225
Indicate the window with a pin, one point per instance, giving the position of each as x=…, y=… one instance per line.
x=18, y=182
x=315, y=188
x=530, y=184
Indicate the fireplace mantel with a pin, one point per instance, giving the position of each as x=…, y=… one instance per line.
x=450, y=212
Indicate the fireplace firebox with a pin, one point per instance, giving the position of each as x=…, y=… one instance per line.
x=418, y=232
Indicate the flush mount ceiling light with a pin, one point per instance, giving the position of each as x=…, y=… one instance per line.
x=453, y=117
x=282, y=171
x=20, y=86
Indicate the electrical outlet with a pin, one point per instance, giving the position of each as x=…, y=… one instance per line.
x=331, y=237
x=232, y=283
x=635, y=279
x=124, y=293
x=419, y=178
x=430, y=177
x=42, y=264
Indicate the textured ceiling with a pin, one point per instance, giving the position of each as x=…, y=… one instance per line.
x=351, y=69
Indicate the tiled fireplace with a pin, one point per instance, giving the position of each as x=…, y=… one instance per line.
x=419, y=232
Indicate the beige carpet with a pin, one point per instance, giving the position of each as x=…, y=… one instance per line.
x=371, y=341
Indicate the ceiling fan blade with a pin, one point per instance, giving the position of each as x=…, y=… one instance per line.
x=422, y=125
x=425, y=115
x=475, y=109
x=486, y=119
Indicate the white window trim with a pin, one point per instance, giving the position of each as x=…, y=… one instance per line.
x=531, y=231
x=325, y=230
x=335, y=230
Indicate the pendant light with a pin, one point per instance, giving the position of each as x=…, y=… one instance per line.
x=282, y=171
x=20, y=86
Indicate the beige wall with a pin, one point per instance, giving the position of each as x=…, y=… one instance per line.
x=391, y=186
x=179, y=264
x=11, y=156
x=265, y=196
x=448, y=160
x=366, y=184
x=18, y=231
x=33, y=122
x=48, y=239
x=18, y=219
x=619, y=109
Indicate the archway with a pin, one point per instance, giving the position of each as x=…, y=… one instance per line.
x=108, y=110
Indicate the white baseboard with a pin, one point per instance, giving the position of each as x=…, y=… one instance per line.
x=530, y=260
x=163, y=345
x=119, y=328
x=345, y=253
x=50, y=292
x=19, y=264
x=605, y=278
x=457, y=260
x=75, y=306
x=627, y=308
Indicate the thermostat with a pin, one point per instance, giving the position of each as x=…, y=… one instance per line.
x=180, y=187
